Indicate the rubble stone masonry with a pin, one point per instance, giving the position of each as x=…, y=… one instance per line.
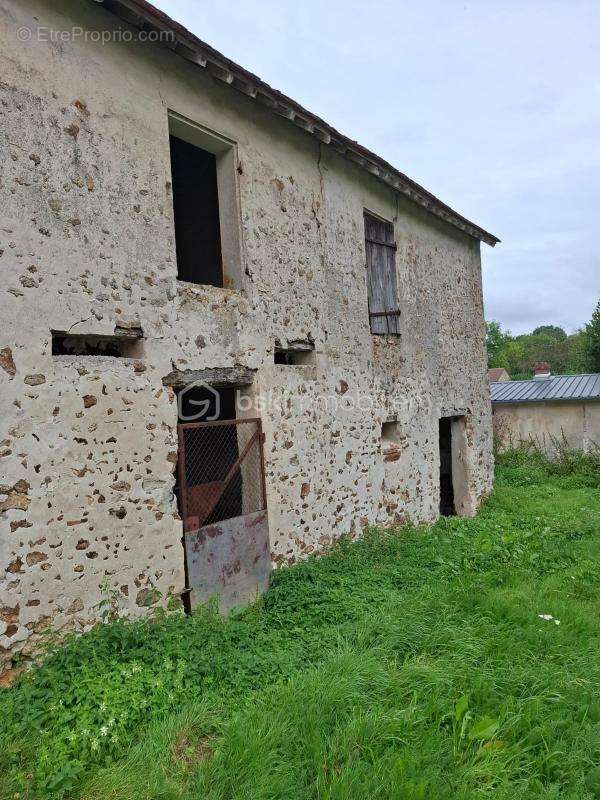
x=88, y=445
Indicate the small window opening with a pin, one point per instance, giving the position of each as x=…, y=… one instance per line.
x=296, y=354
x=389, y=431
x=382, y=291
x=79, y=344
x=196, y=213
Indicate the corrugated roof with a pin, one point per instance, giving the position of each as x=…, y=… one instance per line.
x=557, y=387
x=142, y=14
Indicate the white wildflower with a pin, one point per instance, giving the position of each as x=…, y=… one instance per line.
x=103, y=730
x=549, y=618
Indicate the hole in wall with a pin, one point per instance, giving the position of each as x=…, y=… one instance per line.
x=393, y=440
x=296, y=354
x=78, y=344
x=389, y=432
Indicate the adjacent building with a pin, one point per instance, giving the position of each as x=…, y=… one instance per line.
x=498, y=374
x=548, y=412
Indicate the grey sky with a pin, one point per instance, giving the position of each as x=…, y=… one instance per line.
x=492, y=105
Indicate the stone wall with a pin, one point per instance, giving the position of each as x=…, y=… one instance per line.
x=88, y=445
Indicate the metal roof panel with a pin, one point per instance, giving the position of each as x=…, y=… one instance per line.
x=558, y=387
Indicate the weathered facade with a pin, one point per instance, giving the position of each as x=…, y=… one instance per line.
x=88, y=442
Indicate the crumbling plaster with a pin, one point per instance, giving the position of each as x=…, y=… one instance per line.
x=88, y=445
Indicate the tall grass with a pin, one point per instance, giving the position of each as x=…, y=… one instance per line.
x=413, y=663
x=553, y=455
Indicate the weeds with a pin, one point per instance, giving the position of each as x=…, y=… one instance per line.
x=553, y=455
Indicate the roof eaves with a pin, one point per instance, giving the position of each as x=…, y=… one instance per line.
x=139, y=13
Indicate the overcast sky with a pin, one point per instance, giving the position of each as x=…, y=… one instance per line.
x=494, y=106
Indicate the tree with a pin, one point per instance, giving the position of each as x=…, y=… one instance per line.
x=544, y=346
x=553, y=331
x=592, y=341
x=566, y=354
x=512, y=358
x=573, y=353
x=495, y=341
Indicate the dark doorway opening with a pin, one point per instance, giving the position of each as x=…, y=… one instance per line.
x=196, y=212
x=447, y=508
x=220, y=442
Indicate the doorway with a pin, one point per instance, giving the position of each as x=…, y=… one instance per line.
x=222, y=500
x=447, y=507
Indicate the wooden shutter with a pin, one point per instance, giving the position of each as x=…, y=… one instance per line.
x=384, y=314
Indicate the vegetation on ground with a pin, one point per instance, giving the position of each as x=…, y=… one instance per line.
x=459, y=661
x=566, y=354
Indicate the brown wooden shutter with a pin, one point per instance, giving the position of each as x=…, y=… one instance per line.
x=384, y=314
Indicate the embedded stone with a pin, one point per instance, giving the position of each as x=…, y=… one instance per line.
x=75, y=607
x=72, y=130
x=7, y=363
x=35, y=557
x=34, y=380
x=147, y=597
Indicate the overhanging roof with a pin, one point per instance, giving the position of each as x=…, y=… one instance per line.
x=541, y=390
x=142, y=14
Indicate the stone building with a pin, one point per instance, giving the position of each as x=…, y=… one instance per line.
x=174, y=231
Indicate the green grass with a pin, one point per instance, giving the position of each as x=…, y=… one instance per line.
x=410, y=664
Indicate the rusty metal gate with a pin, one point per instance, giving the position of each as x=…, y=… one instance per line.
x=223, y=503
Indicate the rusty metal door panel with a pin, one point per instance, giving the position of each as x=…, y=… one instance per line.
x=229, y=560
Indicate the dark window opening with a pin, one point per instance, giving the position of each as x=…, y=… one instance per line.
x=447, y=508
x=196, y=212
x=297, y=354
x=382, y=291
x=78, y=344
